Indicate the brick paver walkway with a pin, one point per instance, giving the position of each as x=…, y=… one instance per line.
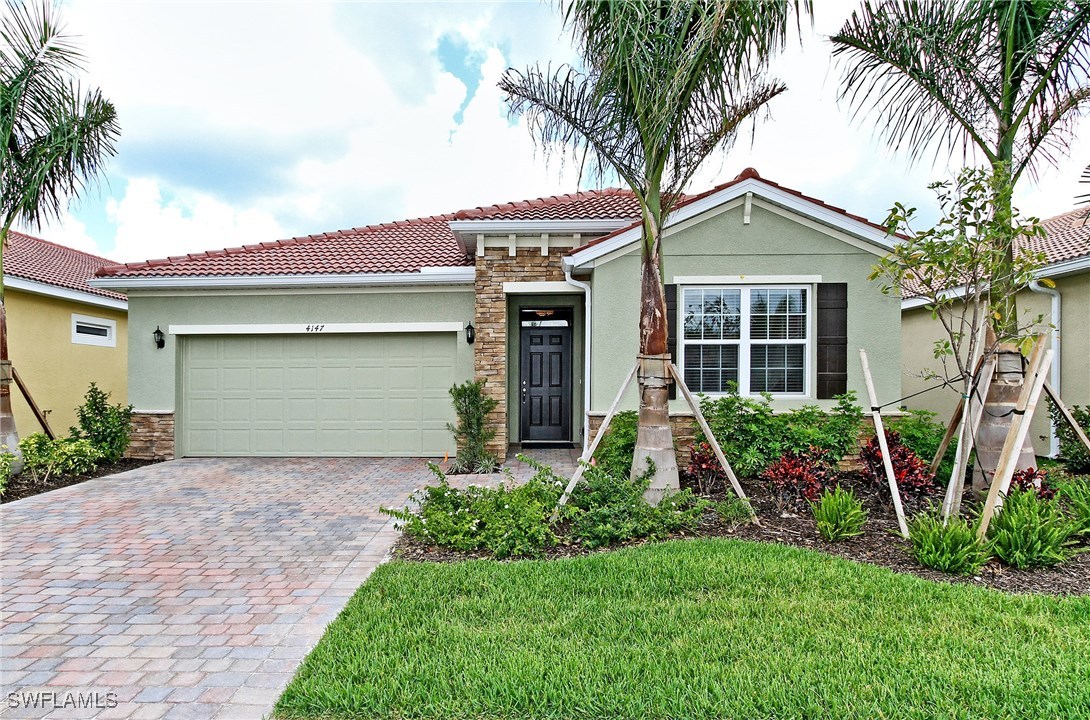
x=189, y=589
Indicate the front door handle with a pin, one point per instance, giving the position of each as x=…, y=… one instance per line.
x=524, y=394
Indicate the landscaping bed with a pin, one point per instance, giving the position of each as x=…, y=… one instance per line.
x=693, y=629
x=879, y=545
x=24, y=485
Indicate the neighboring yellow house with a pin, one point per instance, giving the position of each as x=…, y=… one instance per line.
x=63, y=334
x=1066, y=246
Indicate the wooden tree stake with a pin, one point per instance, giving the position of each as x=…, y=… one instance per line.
x=876, y=414
x=1067, y=416
x=38, y=414
x=589, y=452
x=951, y=504
x=1008, y=457
x=709, y=435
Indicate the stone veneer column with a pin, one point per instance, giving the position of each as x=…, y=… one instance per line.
x=152, y=436
x=495, y=266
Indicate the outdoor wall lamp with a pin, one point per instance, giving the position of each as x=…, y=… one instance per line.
x=158, y=337
x=471, y=333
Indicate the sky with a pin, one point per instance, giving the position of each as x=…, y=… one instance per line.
x=245, y=122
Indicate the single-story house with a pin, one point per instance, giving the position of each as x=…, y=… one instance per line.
x=63, y=334
x=1066, y=308
x=346, y=343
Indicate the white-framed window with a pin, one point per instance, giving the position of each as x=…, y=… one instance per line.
x=758, y=337
x=87, y=330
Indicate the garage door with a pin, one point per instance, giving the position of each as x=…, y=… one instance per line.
x=289, y=395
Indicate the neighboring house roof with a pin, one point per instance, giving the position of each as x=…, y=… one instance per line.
x=748, y=180
x=606, y=204
x=44, y=265
x=1065, y=244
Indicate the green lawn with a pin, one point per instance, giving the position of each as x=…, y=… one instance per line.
x=692, y=629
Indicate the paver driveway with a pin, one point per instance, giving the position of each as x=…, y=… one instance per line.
x=188, y=589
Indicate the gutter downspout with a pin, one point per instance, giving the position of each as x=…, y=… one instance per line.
x=586, y=353
x=1035, y=286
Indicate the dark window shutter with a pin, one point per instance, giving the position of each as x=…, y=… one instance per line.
x=671, y=330
x=832, y=339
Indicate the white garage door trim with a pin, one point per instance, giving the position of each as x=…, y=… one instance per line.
x=310, y=328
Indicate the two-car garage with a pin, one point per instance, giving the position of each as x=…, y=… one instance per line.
x=316, y=392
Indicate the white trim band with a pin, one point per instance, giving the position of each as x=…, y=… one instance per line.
x=426, y=276
x=315, y=328
x=746, y=279
x=39, y=288
x=538, y=288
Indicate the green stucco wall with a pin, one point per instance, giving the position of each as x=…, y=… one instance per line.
x=153, y=373
x=921, y=332
x=721, y=245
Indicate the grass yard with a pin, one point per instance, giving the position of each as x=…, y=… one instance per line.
x=692, y=629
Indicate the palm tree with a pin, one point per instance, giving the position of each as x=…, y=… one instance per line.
x=1003, y=79
x=1007, y=79
x=54, y=138
x=666, y=83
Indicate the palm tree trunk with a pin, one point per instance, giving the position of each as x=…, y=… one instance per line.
x=654, y=438
x=9, y=436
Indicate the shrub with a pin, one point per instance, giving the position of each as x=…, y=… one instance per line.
x=919, y=432
x=106, y=426
x=45, y=459
x=839, y=514
x=7, y=461
x=473, y=433
x=1030, y=531
x=799, y=475
x=1075, y=455
x=614, y=452
x=1074, y=493
x=605, y=509
x=505, y=521
x=1033, y=480
x=753, y=437
x=733, y=510
x=914, y=479
x=705, y=471
x=950, y=548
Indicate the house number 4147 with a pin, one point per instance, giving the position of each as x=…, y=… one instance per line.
x=315, y=328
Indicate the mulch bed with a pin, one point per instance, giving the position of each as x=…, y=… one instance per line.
x=23, y=485
x=879, y=545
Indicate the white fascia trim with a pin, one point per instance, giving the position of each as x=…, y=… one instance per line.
x=426, y=276
x=747, y=279
x=758, y=189
x=1060, y=269
x=79, y=296
x=537, y=288
x=558, y=227
x=315, y=328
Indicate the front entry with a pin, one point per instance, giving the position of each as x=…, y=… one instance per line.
x=545, y=381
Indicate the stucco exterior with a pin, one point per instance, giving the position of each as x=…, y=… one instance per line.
x=920, y=332
x=774, y=243
x=56, y=370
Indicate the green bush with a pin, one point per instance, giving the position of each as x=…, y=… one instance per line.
x=921, y=434
x=951, y=548
x=1074, y=454
x=45, y=459
x=105, y=426
x=1030, y=531
x=605, y=509
x=839, y=514
x=733, y=510
x=614, y=453
x=473, y=433
x=1074, y=493
x=7, y=460
x=507, y=521
x=753, y=437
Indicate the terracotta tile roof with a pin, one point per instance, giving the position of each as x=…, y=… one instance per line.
x=32, y=258
x=397, y=247
x=1067, y=237
x=606, y=204
x=747, y=174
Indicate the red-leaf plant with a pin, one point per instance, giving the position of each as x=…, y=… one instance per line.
x=799, y=476
x=914, y=478
x=1033, y=479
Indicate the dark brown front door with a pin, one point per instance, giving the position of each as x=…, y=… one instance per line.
x=545, y=382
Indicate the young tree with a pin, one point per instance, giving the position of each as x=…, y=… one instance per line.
x=54, y=138
x=665, y=83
